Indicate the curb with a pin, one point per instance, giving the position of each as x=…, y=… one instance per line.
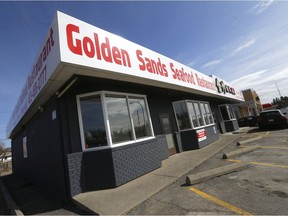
x=219, y=145
x=192, y=168
x=14, y=210
x=206, y=175
x=240, y=151
x=249, y=140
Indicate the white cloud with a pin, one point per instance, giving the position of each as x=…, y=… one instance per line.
x=211, y=63
x=264, y=82
x=191, y=63
x=243, y=46
x=261, y=6
x=246, y=80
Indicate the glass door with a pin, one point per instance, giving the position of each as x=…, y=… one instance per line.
x=168, y=131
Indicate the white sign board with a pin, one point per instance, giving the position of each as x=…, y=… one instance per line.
x=73, y=41
x=89, y=46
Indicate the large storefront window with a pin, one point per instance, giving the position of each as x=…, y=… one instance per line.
x=227, y=112
x=127, y=119
x=192, y=114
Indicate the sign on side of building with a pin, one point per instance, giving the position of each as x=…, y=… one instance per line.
x=87, y=45
x=82, y=44
x=46, y=62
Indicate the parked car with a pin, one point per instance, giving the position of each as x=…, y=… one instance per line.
x=284, y=111
x=272, y=118
x=248, y=121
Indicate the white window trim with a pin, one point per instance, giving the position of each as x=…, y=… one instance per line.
x=190, y=119
x=203, y=126
x=233, y=119
x=106, y=120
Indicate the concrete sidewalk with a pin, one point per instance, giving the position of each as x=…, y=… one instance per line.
x=121, y=200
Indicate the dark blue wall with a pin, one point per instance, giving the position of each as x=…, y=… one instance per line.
x=110, y=168
x=189, y=140
x=45, y=163
x=55, y=158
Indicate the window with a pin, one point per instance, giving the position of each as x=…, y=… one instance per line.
x=227, y=112
x=209, y=114
x=182, y=116
x=140, y=117
x=204, y=113
x=198, y=114
x=119, y=119
x=192, y=114
x=93, y=122
x=107, y=119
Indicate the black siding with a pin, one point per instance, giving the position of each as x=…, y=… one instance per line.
x=45, y=163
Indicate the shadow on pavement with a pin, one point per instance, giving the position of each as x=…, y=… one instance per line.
x=32, y=199
x=274, y=128
x=254, y=130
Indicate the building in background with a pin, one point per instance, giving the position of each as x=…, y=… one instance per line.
x=98, y=110
x=250, y=107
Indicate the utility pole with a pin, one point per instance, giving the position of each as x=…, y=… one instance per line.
x=278, y=90
x=279, y=95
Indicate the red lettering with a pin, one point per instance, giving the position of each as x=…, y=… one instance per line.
x=88, y=47
x=116, y=55
x=139, y=57
x=126, y=58
x=51, y=38
x=92, y=47
x=174, y=72
x=182, y=75
x=77, y=49
x=151, y=65
x=97, y=46
x=106, y=51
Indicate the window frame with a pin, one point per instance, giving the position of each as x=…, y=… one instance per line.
x=226, y=106
x=196, y=116
x=110, y=143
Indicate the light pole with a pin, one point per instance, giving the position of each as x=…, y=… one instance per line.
x=142, y=111
x=279, y=94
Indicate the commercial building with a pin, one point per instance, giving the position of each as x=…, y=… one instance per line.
x=98, y=110
x=250, y=107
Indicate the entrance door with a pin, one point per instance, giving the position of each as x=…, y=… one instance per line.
x=168, y=131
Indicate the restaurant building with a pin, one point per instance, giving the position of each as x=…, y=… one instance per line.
x=98, y=111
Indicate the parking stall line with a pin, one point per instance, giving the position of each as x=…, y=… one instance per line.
x=220, y=202
x=273, y=147
x=271, y=165
x=232, y=160
x=266, y=147
x=262, y=164
x=260, y=133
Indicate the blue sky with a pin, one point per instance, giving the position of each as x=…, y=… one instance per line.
x=243, y=42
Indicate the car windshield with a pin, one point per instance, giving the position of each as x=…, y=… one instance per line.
x=270, y=114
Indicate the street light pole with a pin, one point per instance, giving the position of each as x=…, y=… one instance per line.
x=278, y=90
x=279, y=95
x=142, y=110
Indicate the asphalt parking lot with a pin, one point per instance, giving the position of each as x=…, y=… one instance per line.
x=261, y=189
